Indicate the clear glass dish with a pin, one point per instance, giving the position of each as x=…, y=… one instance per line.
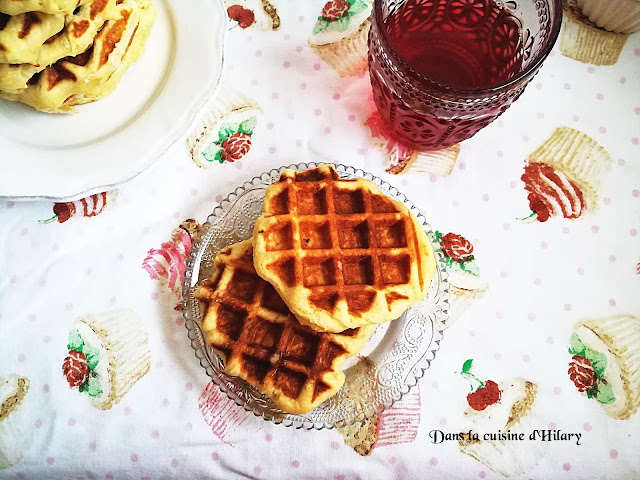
x=391, y=363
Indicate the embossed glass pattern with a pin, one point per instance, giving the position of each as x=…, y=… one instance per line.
x=399, y=351
x=498, y=45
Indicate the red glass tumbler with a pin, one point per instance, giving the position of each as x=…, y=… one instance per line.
x=441, y=70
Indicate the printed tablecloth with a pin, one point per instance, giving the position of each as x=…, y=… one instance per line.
x=546, y=306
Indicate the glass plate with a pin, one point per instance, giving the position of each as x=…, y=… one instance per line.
x=391, y=363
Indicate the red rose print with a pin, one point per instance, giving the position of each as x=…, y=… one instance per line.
x=236, y=146
x=484, y=396
x=75, y=368
x=334, y=9
x=581, y=373
x=243, y=16
x=456, y=246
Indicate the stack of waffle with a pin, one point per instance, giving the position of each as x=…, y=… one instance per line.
x=55, y=54
x=329, y=260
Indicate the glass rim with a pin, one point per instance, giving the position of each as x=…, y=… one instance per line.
x=491, y=89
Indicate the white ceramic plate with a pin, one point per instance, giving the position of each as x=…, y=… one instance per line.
x=65, y=157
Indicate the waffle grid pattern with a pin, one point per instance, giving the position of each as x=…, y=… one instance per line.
x=341, y=241
x=262, y=342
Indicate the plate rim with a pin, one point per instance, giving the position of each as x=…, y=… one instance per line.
x=174, y=133
x=291, y=420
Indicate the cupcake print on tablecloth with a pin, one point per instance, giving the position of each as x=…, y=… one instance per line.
x=168, y=263
x=16, y=424
x=225, y=133
x=402, y=159
x=605, y=363
x=340, y=34
x=595, y=31
x=107, y=354
x=507, y=406
x=465, y=282
x=225, y=418
x=396, y=425
x=90, y=206
x=258, y=14
x=564, y=175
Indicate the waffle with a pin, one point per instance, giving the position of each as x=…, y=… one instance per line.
x=260, y=340
x=96, y=72
x=17, y=7
x=339, y=252
x=41, y=39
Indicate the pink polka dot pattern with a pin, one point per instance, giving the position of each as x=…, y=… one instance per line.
x=175, y=463
x=340, y=477
x=435, y=384
x=392, y=460
x=214, y=456
x=612, y=302
x=295, y=464
x=556, y=390
x=257, y=470
x=566, y=467
x=613, y=454
x=268, y=437
x=93, y=446
x=567, y=307
x=134, y=457
x=526, y=358
x=587, y=427
x=50, y=460
x=45, y=388
x=71, y=422
x=550, y=340
x=108, y=476
x=482, y=474
x=433, y=462
x=38, y=423
x=335, y=445
x=188, y=386
x=443, y=421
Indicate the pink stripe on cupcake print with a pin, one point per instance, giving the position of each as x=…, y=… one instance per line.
x=220, y=413
x=400, y=423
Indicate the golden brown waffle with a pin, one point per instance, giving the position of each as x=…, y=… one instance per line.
x=41, y=39
x=16, y=7
x=260, y=340
x=339, y=252
x=96, y=72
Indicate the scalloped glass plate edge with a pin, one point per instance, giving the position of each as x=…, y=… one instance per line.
x=247, y=396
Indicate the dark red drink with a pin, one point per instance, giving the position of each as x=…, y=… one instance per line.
x=441, y=70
